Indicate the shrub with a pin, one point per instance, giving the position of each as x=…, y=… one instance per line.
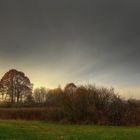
x=83, y=104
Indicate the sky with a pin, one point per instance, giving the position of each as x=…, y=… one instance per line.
x=55, y=42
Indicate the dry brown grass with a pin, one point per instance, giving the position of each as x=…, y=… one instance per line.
x=23, y=113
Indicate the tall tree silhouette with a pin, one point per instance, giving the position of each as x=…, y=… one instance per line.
x=15, y=86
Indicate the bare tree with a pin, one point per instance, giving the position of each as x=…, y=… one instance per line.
x=40, y=95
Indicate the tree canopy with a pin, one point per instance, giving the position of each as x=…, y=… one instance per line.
x=15, y=86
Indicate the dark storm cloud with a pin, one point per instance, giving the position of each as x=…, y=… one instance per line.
x=89, y=38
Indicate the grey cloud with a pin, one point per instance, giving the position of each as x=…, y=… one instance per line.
x=88, y=38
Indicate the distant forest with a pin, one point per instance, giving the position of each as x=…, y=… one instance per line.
x=84, y=104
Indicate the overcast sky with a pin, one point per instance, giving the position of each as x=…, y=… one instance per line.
x=83, y=41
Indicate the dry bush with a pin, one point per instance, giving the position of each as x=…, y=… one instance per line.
x=84, y=104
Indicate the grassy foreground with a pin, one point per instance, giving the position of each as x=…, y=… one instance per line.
x=36, y=130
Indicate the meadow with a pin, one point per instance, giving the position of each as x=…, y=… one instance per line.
x=41, y=130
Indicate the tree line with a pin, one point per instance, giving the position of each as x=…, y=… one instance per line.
x=73, y=104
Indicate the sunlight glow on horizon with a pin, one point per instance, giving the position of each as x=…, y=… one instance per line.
x=52, y=82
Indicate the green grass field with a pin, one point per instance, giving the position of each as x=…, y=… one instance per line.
x=36, y=130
